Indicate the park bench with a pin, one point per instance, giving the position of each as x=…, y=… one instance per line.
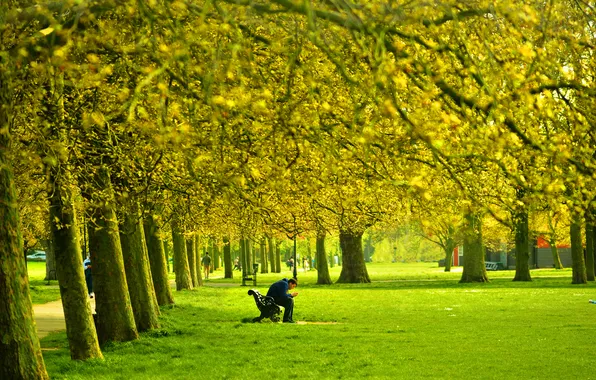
x=493, y=265
x=267, y=306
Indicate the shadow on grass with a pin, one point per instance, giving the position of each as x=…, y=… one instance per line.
x=499, y=282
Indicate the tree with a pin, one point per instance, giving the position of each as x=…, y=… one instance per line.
x=20, y=353
x=157, y=260
x=323, y=277
x=474, y=269
x=181, y=268
x=228, y=268
x=80, y=328
x=138, y=273
x=115, y=319
x=577, y=254
x=192, y=260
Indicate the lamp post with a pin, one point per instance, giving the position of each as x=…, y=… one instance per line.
x=295, y=262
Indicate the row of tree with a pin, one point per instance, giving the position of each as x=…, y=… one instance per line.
x=256, y=120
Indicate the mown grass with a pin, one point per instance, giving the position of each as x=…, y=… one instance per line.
x=413, y=322
x=41, y=291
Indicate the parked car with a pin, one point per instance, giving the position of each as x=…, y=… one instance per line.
x=37, y=256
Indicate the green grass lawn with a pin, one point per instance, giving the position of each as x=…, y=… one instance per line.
x=413, y=322
x=41, y=291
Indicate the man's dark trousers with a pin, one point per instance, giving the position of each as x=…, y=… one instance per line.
x=288, y=304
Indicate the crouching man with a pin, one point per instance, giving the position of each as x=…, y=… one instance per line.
x=280, y=293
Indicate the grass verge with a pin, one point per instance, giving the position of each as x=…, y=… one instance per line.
x=41, y=291
x=408, y=324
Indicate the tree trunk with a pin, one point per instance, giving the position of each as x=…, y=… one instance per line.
x=271, y=254
x=181, y=268
x=20, y=353
x=214, y=256
x=449, y=247
x=212, y=250
x=555, y=253
x=577, y=254
x=323, y=277
x=228, y=268
x=115, y=319
x=249, y=258
x=589, y=249
x=309, y=253
x=138, y=274
x=157, y=261
x=191, y=252
x=263, y=254
x=277, y=257
x=353, y=269
x=522, y=247
x=50, y=261
x=80, y=329
x=66, y=258
x=198, y=268
x=368, y=249
x=474, y=269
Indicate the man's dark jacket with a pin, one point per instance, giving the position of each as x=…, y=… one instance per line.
x=279, y=290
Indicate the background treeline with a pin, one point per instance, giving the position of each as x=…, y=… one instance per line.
x=205, y=122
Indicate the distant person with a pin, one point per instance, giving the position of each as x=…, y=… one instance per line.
x=279, y=291
x=206, y=261
x=236, y=262
x=88, y=278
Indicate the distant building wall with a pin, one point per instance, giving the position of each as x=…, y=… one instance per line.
x=545, y=257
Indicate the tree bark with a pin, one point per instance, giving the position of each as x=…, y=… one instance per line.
x=448, y=248
x=214, y=256
x=522, y=247
x=138, y=274
x=20, y=353
x=354, y=268
x=263, y=254
x=198, y=267
x=50, y=262
x=577, y=254
x=555, y=253
x=323, y=277
x=242, y=257
x=589, y=249
x=157, y=261
x=181, y=268
x=248, y=255
x=271, y=254
x=212, y=251
x=228, y=268
x=277, y=257
x=474, y=269
x=80, y=328
x=115, y=319
x=66, y=257
x=191, y=252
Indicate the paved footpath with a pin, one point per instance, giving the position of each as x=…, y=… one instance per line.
x=49, y=317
